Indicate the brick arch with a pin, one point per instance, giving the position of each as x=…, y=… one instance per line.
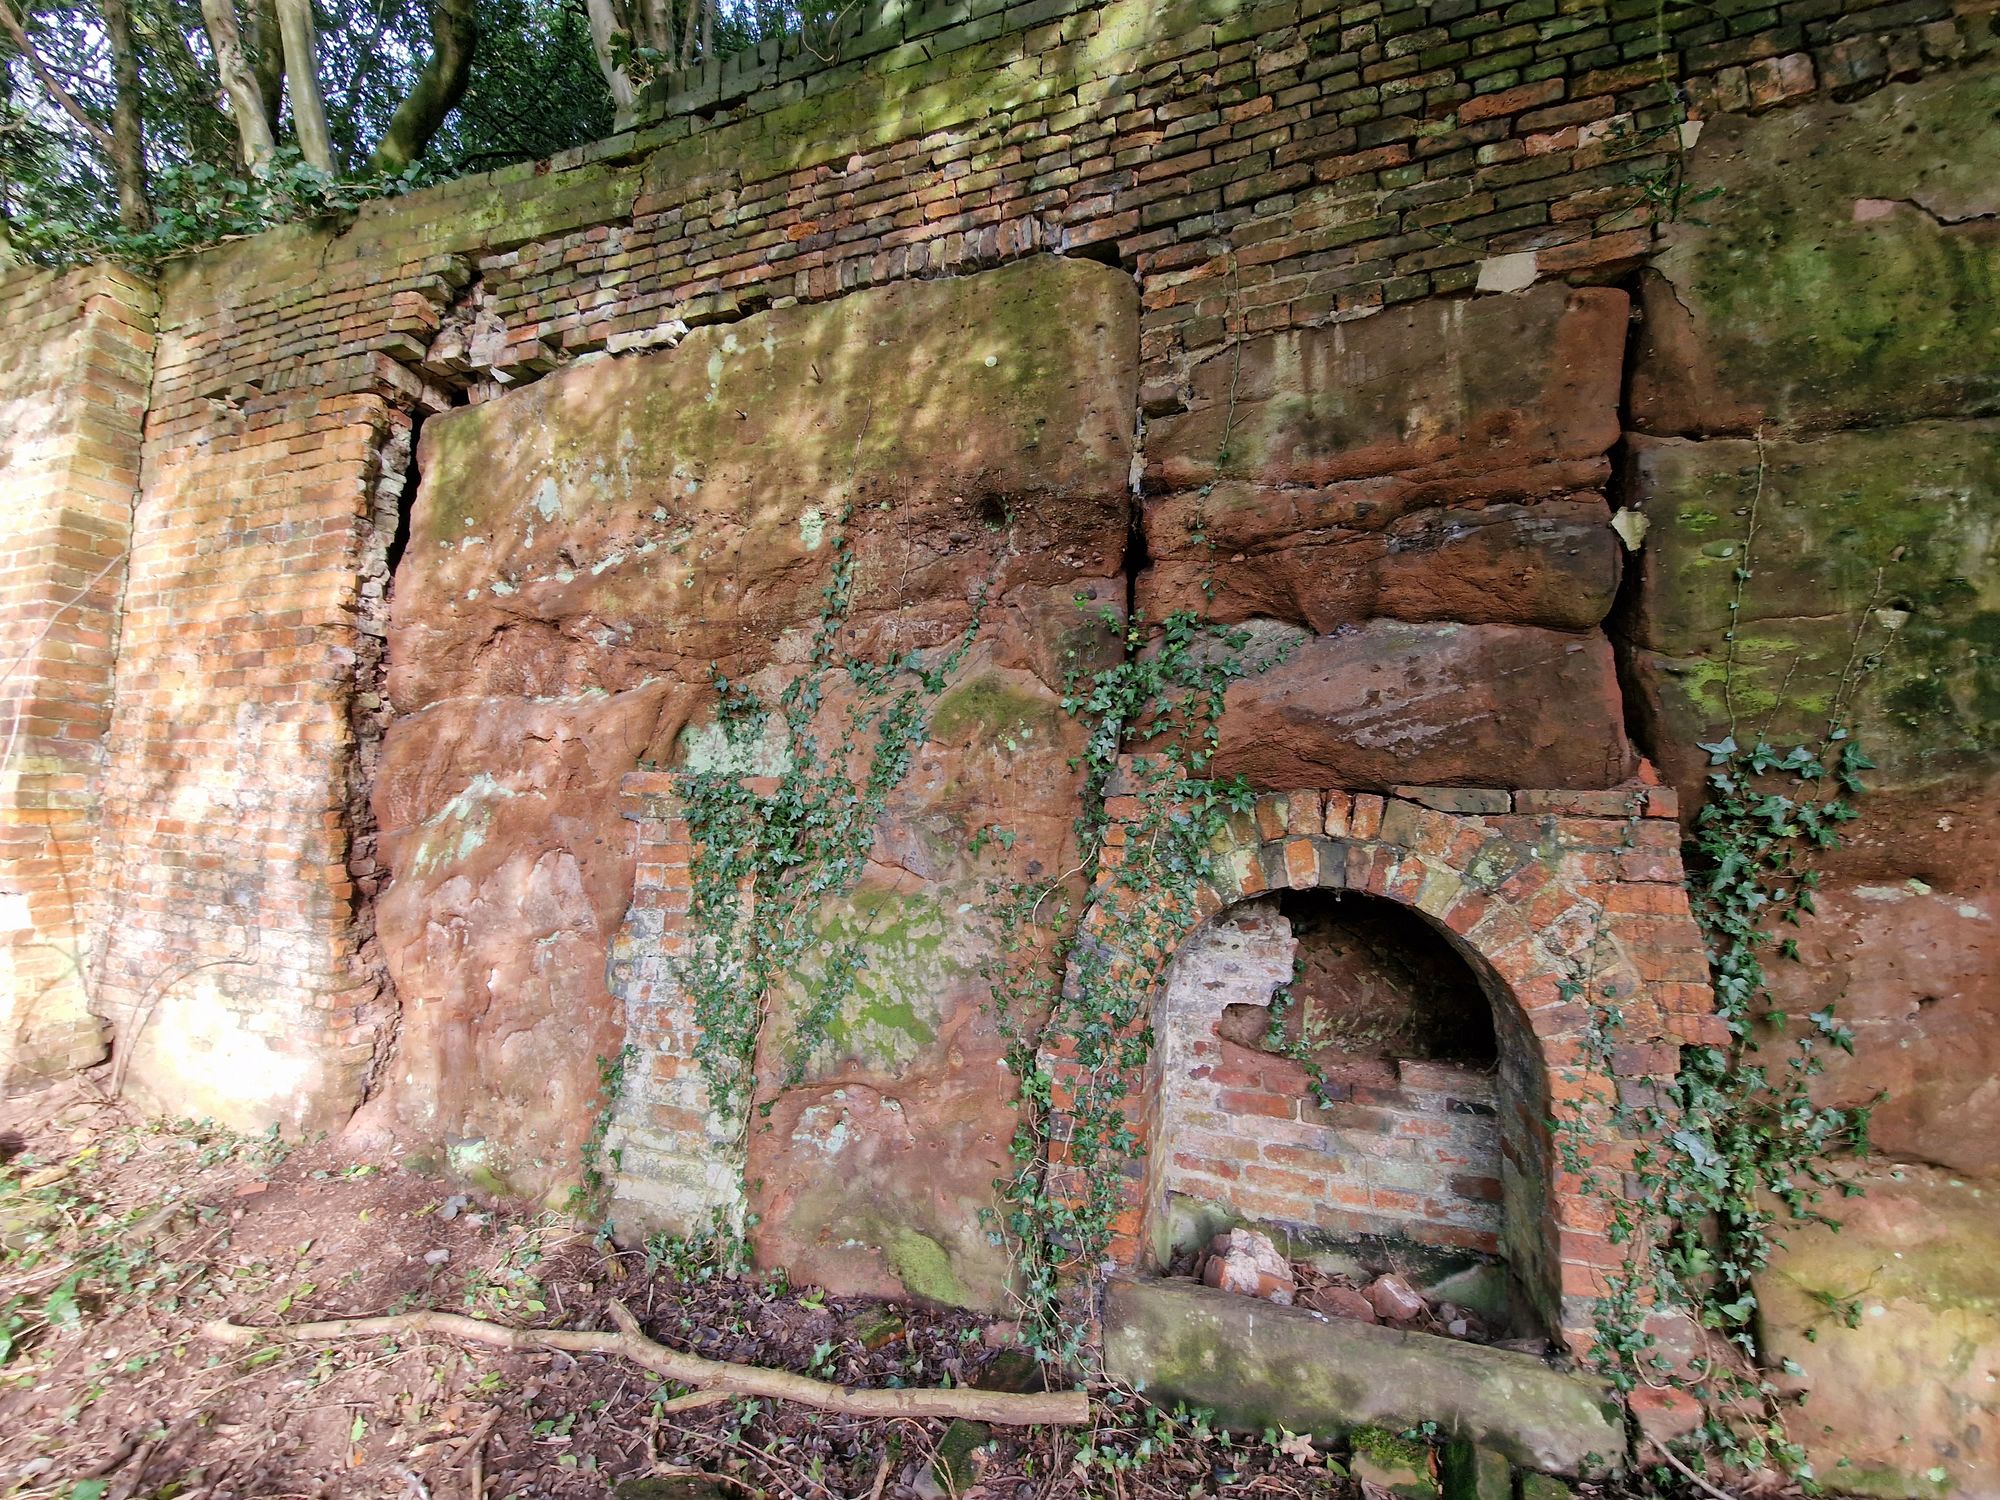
x=1530, y=888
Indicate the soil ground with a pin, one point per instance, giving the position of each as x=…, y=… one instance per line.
x=120, y=1238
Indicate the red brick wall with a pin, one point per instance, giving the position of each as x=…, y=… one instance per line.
x=74, y=370
x=1380, y=1148
x=1537, y=891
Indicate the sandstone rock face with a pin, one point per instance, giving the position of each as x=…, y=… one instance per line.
x=584, y=554
x=1438, y=705
x=1442, y=461
x=1875, y=561
x=653, y=514
x=1910, y=968
x=1501, y=398
x=511, y=870
x=1421, y=490
x=1817, y=364
x=1906, y=1402
x=1847, y=274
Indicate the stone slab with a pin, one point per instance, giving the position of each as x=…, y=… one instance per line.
x=1386, y=704
x=1258, y=1365
x=1845, y=272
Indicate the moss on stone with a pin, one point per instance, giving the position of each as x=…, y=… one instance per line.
x=1387, y=1448
x=995, y=708
x=903, y=984
x=1819, y=315
x=1873, y=569
x=924, y=1267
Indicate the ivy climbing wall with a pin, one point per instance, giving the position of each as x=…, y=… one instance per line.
x=1353, y=325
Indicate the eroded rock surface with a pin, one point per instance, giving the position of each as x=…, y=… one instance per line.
x=1907, y=1400
x=1874, y=563
x=1414, y=501
x=1375, y=705
x=585, y=553
x=1846, y=274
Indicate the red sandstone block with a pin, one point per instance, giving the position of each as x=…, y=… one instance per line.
x=1301, y=864
x=1210, y=1166
x=1646, y=900
x=1305, y=814
x=1698, y=1030
x=1305, y=1186
x=1626, y=247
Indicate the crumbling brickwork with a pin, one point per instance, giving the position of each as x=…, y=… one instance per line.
x=1603, y=906
x=1389, y=1148
x=74, y=370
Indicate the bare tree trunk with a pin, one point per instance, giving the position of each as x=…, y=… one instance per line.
x=267, y=56
x=295, y=22
x=435, y=94
x=605, y=23
x=707, y=29
x=660, y=26
x=128, y=139
x=246, y=101
x=687, y=31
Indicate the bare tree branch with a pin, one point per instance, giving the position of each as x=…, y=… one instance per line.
x=1051, y=1408
x=61, y=95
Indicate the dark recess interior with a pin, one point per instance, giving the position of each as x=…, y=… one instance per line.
x=1372, y=979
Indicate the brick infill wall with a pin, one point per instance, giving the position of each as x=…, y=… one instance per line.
x=74, y=372
x=1536, y=890
x=1531, y=887
x=1376, y=1148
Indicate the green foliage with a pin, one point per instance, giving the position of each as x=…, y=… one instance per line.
x=1315, y=1033
x=610, y=1088
x=721, y=1250
x=200, y=205
x=1735, y=1148
x=768, y=861
x=1389, y=1449
x=76, y=1254
x=1063, y=1195
x=534, y=89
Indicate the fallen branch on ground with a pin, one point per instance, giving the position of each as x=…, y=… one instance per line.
x=1007, y=1408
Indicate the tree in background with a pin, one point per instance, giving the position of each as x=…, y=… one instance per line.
x=140, y=128
x=136, y=128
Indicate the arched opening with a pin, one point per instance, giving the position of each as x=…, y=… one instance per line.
x=1338, y=1072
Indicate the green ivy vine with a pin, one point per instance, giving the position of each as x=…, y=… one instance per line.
x=1734, y=1149
x=1082, y=991
x=767, y=859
